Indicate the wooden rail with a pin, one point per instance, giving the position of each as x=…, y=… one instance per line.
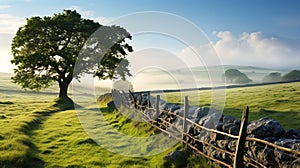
x=240, y=158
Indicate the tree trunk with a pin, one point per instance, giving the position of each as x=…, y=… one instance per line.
x=63, y=90
x=63, y=87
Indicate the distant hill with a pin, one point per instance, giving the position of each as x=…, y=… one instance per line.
x=254, y=73
x=4, y=74
x=178, y=78
x=196, y=77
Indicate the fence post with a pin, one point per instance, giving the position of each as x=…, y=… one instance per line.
x=157, y=105
x=148, y=101
x=186, y=109
x=239, y=151
x=141, y=100
x=134, y=100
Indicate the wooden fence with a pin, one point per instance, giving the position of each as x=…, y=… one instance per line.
x=239, y=157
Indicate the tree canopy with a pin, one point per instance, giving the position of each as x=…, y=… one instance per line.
x=46, y=50
x=235, y=76
x=273, y=77
x=292, y=75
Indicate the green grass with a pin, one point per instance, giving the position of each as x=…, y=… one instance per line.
x=280, y=102
x=62, y=142
x=35, y=132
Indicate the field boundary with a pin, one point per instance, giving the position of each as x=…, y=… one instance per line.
x=236, y=158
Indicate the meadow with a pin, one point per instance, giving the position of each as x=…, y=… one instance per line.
x=35, y=132
x=279, y=101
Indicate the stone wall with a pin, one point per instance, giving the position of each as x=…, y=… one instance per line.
x=265, y=128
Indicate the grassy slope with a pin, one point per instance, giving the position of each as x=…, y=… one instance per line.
x=62, y=142
x=29, y=128
x=280, y=102
x=35, y=134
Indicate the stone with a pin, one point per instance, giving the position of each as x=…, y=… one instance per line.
x=218, y=155
x=111, y=106
x=174, y=107
x=289, y=143
x=228, y=119
x=223, y=143
x=237, y=122
x=284, y=158
x=176, y=155
x=211, y=120
x=220, y=126
x=292, y=134
x=266, y=156
x=265, y=127
x=234, y=130
x=232, y=145
x=296, y=163
x=271, y=139
x=199, y=113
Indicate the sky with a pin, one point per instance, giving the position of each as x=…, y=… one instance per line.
x=263, y=33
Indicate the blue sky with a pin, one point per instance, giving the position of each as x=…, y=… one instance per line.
x=253, y=31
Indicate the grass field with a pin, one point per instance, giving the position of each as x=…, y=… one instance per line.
x=34, y=133
x=280, y=102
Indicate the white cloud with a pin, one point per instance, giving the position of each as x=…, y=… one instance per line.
x=104, y=20
x=254, y=49
x=90, y=15
x=4, y=7
x=10, y=23
x=84, y=13
x=5, y=54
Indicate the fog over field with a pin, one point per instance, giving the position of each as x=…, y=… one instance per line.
x=154, y=79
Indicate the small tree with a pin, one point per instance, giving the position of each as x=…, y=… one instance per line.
x=272, y=77
x=292, y=75
x=46, y=50
x=235, y=76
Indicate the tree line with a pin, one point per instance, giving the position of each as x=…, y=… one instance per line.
x=235, y=76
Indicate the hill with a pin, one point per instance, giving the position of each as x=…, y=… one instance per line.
x=195, y=77
x=34, y=133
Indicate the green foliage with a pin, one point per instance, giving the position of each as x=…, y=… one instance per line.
x=235, y=76
x=46, y=50
x=123, y=85
x=272, y=77
x=292, y=75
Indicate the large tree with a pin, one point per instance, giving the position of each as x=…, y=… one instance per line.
x=292, y=75
x=272, y=77
x=235, y=76
x=46, y=50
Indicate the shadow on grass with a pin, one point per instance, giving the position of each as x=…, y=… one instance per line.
x=41, y=115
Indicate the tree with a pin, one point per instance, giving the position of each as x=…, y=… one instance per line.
x=123, y=85
x=292, y=75
x=46, y=50
x=272, y=77
x=235, y=76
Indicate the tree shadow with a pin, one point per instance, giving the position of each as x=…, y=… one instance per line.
x=41, y=115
